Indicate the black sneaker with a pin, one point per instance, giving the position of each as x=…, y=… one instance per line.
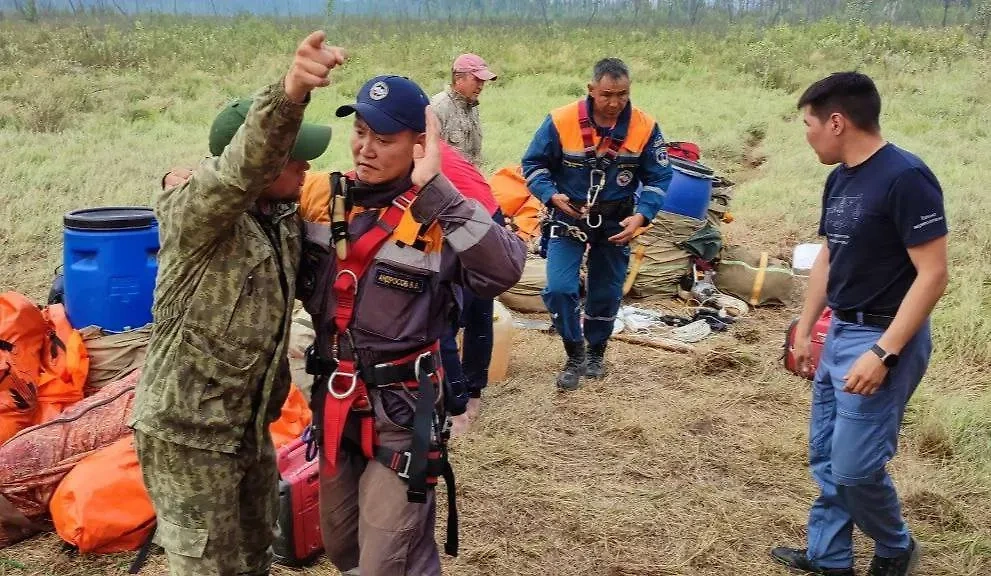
x=574, y=368
x=900, y=566
x=798, y=560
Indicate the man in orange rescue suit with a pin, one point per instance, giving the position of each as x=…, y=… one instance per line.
x=585, y=163
x=385, y=247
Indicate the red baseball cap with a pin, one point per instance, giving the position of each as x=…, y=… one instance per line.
x=474, y=64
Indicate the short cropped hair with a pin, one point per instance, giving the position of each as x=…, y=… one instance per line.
x=612, y=67
x=850, y=93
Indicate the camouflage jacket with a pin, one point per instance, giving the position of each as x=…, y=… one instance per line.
x=460, y=124
x=216, y=363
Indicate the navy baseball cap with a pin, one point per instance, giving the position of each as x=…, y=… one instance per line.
x=390, y=104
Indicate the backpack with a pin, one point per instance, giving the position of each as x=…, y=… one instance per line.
x=754, y=277
x=22, y=335
x=657, y=260
x=64, y=365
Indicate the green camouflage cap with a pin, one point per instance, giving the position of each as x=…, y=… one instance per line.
x=311, y=142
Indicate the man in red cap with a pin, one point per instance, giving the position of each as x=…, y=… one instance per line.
x=457, y=110
x=457, y=106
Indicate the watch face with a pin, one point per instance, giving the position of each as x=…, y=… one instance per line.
x=890, y=360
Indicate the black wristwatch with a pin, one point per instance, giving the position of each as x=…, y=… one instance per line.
x=889, y=359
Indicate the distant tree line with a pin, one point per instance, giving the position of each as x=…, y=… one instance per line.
x=973, y=13
x=279, y=8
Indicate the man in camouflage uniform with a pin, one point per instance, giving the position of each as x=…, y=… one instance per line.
x=457, y=106
x=216, y=373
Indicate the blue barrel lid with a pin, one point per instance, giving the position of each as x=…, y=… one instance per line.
x=110, y=218
x=691, y=168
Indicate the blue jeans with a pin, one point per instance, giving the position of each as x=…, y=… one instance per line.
x=607, y=265
x=468, y=374
x=851, y=439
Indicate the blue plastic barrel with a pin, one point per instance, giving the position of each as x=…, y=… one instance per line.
x=110, y=259
x=690, y=190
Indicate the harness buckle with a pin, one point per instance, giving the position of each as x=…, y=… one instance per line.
x=401, y=202
x=404, y=473
x=351, y=388
x=416, y=366
x=353, y=276
x=554, y=231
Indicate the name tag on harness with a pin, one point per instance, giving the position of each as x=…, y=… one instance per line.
x=391, y=278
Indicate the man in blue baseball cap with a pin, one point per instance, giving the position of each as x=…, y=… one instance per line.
x=389, y=248
x=390, y=104
x=389, y=129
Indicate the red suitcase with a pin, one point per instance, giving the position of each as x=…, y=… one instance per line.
x=819, y=333
x=299, y=542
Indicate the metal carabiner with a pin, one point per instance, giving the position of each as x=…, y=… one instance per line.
x=595, y=187
x=578, y=234
x=592, y=195
x=588, y=220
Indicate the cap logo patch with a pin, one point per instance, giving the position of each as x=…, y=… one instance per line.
x=378, y=91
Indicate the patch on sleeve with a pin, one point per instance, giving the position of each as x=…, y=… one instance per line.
x=661, y=155
x=398, y=280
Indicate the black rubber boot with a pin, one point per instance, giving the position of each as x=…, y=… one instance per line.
x=595, y=366
x=574, y=368
x=901, y=566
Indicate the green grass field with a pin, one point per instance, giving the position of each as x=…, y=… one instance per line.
x=673, y=466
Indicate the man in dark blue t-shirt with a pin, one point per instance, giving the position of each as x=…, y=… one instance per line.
x=882, y=269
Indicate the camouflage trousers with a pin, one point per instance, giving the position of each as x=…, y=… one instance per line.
x=365, y=520
x=217, y=513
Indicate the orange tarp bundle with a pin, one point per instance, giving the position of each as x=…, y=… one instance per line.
x=101, y=506
x=296, y=416
x=521, y=208
x=33, y=462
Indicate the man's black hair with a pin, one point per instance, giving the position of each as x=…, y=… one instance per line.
x=852, y=94
x=612, y=67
